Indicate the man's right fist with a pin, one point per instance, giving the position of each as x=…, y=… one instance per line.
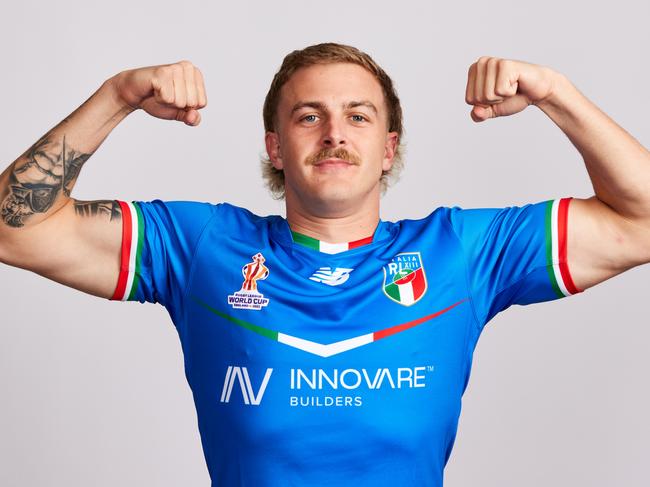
x=169, y=91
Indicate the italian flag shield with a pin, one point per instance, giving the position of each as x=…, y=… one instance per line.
x=404, y=278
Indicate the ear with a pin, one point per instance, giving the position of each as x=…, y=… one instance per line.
x=392, y=140
x=272, y=142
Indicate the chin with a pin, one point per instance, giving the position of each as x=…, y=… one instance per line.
x=335, y=191
x=338, y=199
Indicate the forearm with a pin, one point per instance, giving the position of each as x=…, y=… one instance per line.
x=40, y=181
x=618, y=165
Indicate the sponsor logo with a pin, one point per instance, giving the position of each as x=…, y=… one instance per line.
x=399, y=378
x=326, y=387
x=240, y=375
x=331, y=277
x=404, y=278
x=248, y=297
x=348, y=387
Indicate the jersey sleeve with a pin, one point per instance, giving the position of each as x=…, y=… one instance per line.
x=158, y=243
x=515, y=255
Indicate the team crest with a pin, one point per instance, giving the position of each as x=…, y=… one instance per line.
x=404, y=278
x=248, y=297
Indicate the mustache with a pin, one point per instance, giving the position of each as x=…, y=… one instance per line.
x=338, y=153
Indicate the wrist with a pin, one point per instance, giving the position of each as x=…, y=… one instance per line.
x=558, y=93
x=119, y=106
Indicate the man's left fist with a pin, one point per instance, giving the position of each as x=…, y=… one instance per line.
x=500, y=87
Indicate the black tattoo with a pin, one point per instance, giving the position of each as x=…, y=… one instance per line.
x=99, y=207
x=45, y=170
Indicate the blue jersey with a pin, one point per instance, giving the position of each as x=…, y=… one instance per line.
x=323, y=366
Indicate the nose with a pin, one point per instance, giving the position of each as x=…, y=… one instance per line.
x=333, y=133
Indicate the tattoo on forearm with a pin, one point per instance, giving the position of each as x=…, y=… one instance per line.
x=47, y=169
x=100, y=207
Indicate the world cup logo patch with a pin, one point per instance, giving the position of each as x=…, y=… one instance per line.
x=404, y=278
x=248, y=297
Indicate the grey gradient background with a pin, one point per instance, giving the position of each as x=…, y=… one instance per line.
x=93, y=392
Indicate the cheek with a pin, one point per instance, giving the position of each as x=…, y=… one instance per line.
x=377, y=151
x=293, y=158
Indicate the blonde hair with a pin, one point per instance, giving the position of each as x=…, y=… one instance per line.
x=325, y=54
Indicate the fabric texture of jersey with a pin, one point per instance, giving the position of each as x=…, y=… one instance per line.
x=315, y=368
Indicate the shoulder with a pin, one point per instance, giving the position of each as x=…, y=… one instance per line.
x=436, y=219
x=229, y=213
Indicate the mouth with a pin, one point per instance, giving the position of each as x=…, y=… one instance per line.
x=333, y=162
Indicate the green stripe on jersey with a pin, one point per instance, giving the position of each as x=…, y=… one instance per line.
x=138, y=255
x=301, y=239
x=549, y=224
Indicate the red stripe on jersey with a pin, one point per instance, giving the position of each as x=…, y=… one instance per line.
x=360, y=242
x=126, y=249
x=410, y=324
x=562, y=220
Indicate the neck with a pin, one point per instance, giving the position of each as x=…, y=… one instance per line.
x=335, y=228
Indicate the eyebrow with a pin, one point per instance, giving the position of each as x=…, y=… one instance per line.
x=321, y=106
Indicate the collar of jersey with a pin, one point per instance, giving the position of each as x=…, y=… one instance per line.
x=281, y=232
x=327, y=247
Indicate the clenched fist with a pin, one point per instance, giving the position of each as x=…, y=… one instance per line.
x=169, y=91
x=500, y=87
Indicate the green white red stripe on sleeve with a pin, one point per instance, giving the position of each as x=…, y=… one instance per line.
x=132, y=238
x=557, y=212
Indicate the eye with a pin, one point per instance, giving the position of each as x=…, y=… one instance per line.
x=358, y=118
x=309, y=118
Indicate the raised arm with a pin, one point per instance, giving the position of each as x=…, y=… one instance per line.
x=609, y=232
x=78, y=243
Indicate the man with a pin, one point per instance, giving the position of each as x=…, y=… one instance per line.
x=330, y=347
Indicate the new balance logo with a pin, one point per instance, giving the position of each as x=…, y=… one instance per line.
x=331, y=277
x=241, y=374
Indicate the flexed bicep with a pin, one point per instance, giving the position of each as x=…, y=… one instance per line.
x=601, y=243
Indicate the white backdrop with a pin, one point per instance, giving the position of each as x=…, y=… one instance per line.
x=93, y=392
